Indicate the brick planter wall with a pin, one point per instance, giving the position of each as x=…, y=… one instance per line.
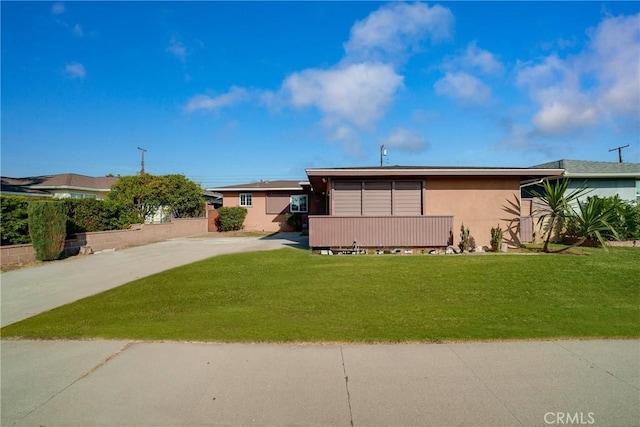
x=139, y=234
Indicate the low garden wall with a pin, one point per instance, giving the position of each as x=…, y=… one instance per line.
x=137, y=235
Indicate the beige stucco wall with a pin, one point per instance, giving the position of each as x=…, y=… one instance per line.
x=257, y=219
x=478, y=202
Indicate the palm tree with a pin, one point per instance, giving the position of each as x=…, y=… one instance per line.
x=555, y=205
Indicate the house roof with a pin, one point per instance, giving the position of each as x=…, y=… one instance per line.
x=37, y=185
x=20, y=187
x=317, y=176
x=76, y=181
x=590, y=169
x=290, y=185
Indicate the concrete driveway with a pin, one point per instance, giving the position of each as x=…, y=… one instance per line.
x=30, y=291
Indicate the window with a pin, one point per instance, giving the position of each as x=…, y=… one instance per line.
x=245, y=200
x=638, y=190
x=299, y=203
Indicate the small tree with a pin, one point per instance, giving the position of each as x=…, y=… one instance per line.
x=496, y=238
x=555, y=205
x=144, y=194
x=47, y=228
x=184, y=197
x=466, y=241
x=231, y=218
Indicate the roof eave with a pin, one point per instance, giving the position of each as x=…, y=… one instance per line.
x=602, y=175
x=435, y=172
x=236, y=189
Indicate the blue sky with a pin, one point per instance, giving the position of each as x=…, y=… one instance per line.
x=232, y=92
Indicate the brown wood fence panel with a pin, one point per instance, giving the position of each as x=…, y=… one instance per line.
x=381, y=231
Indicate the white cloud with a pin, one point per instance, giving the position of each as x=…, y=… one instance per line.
x=206, y=102
x=562, y=117
x=177, y=48
x=77, y=30
x=405, y=140
x=75, y=70
x=615, y=56
x=463, y=87
x=460, y=81
x=345, y=135
x=57, y=8
x=394, y=28
x=480, y=59
x=359, y=94
x=598, y=85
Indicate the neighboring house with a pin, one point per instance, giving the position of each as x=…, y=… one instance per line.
x=400, y=207
x=68, y=185
x=268, y=202
x=212, y=198
x=603, y=179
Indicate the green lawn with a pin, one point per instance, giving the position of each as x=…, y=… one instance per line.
x=291, y=295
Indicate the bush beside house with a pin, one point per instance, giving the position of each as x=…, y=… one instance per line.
x=231, y=218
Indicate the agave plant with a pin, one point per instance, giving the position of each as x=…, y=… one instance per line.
x=555, y=205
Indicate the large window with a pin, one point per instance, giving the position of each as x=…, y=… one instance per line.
x=245, y=200
x=299, y=203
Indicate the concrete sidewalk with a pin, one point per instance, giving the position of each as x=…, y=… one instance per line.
x=122, y=383
x=30, y=291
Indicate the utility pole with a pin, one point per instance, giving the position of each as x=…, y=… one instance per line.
x=619, y=152
x=383, y=152
x=142, y=151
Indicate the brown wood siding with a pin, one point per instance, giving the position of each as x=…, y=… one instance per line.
x=526, y=229
x=277, y=203
x=407, y=198
x=347, y=198
x=387, y=231
x=376, y=198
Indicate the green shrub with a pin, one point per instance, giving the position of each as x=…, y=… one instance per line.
x=47, y=227
x=623, y=216
x=294, y=219
x=86, y=215
x=231, y=218
x=465, y=244
x=496, y=238
x=14, y=224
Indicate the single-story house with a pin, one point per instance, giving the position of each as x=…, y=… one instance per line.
x=402, y=206
x=603, y=179
x=268, y=202
x=60, y=186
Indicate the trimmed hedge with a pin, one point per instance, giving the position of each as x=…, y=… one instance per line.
x=231, y=218
x=86, y=215
x=83, y=215
x=14, y=220
x=47, y=228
